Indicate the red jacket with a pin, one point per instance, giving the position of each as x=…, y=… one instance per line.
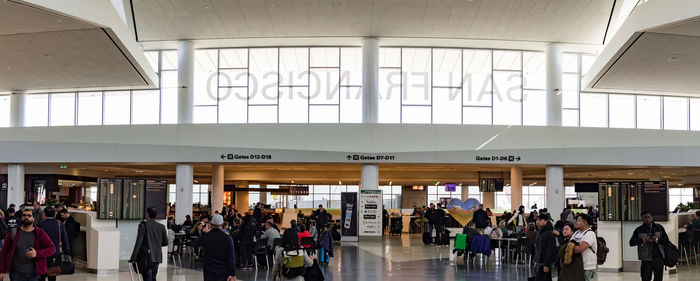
x=42, y=244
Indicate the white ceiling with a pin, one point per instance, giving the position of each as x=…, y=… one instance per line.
x=41, y=49
x=568, y=21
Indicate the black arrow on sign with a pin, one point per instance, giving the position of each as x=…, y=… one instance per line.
x=223, y=156
x=349, y=157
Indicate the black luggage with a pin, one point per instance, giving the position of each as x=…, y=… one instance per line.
x=427, y=238
x=445, y=238
x=396, y=228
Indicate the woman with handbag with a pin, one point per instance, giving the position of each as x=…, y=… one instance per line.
x=58, y=235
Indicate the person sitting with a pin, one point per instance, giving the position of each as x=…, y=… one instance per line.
x=471, y=232
x=304, y=233
x=288, y=264
x=504, y=229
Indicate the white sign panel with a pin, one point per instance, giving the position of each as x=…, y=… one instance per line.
x=370, y=213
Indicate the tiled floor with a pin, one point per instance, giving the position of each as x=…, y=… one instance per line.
x=398, y=258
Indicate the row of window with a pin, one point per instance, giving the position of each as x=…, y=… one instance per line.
x=323, y=85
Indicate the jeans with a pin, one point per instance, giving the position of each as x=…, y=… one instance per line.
x=438, y=233
x=589, y=274
x=656, y=267
x=18, y=276
x=150, y=275
x=430, y=228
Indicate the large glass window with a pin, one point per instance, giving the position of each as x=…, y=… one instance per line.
x=648, y=112
x=622, y=111
x=4, y=110
x=534, y=196
x=675, y=113
x=62, y=109
x=475, y=193
x=145, y=107
x=117, y=107
x=36, y=110
x=594, y=109
x=694, y=114
x=502, y=199
x=679, y=195
x=90, y=108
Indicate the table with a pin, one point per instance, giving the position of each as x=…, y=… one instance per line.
x=508, y=240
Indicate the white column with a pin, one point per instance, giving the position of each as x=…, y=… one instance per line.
x=185, y=82
x=370, y=177
x=184, y=176
x=555, y=190
x=554, y=85
x=17, y=101
x=15, y=184
x=217, y=188
x=370, y=80
x=516, y=187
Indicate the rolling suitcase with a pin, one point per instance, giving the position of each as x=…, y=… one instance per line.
x=427, y=238
x=445, y=238
x=323, y=256
x=134, y=271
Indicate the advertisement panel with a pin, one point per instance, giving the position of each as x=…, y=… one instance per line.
x=370, y=213
x=348, y=216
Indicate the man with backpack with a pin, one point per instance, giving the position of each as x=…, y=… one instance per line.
x=587, y=245
x=649, y=238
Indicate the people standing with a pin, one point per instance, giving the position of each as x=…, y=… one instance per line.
x=246, y=235
x=518, y=219
x=439, y=221
x=545, y=249
x=587, y=243
x=321, y=216
x=567, y=215
x=4, y=229
x=11, y=218
x=24, y=253
x=72, y=226
x=649, y=238
x=480, y=218
x=57, y=233
x=570, y=263
x=152, y=236
x=430, y=217
x=257, y=213
x=219, y=254
x=385, y=219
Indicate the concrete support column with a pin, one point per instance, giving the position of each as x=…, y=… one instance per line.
x=17, y=101
x=489, y=199
x=15, y=185
x=465, y=192
x=516, y=187
x=263, y=195
x=554, y=84
x=370, y=177
x=184, y=176
x=217, y=188
x=185, y=82
x=555, y=190
x=370, y=80
x=242, y=198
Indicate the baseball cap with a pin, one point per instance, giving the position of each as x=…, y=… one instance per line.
x=217, y=220
x=543, y=217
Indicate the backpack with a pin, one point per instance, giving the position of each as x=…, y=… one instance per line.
x=671, y=255
x=4, y=229
x=602, y=250
x=293, y=264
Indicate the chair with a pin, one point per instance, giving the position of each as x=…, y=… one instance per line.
x=523, y=251
x=260, y=249
x=309, y=241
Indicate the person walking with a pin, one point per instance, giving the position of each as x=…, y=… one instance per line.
x=72, y=226
x=439, y=221
x=545, y=248
x=650, y=238
x=219, y=254
x=290, y=259
x=57, y=233
x=570, y=264
x=24, y=252
x=321, y=217
x=481, y=218
x=152, y=236
x=587, y=243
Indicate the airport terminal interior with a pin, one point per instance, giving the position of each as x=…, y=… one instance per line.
x=350, y=140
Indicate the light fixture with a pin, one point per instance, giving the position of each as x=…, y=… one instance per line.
x=390, y=182
x=292, y=181
x=340, y=183
x=534, y=183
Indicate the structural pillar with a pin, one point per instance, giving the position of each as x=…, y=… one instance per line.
x=184, y=176
x=17, y=103
x=15, y=185
x=217, y=188
x=465, y=192
x=370, y=80
x=263, y=195
x=554, y=84
x=516, y=187
x=242, y=198
x=370, y=177
x=555, y=190
x=185, y=82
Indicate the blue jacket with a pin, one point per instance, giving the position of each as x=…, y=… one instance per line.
x=326, y=241
x=50, y=226
x=481, y=244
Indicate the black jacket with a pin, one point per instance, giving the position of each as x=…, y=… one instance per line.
x=219, y=254
x=439, y=217
x=72, y=228
x=429, y=216
x=481, y=218
x=321, y=218
x=50, y=226
x=246, y=234
x=546, y=246
x=649, y=251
